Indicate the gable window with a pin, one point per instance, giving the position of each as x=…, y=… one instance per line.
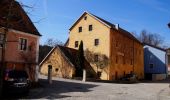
x=23, y=44
x=96, y=42
x=76, y=44
x=96, y=58
x=1, y=40
x=90, y=27
x=151, y=65
x=80, y=29
x=85, y=18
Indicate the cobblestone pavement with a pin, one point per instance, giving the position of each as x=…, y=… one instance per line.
x=65, y=89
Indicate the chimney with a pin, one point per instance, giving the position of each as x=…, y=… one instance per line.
x=117, y=26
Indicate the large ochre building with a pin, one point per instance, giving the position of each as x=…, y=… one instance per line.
x=124, y=51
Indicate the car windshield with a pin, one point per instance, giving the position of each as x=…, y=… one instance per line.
x=18, y=74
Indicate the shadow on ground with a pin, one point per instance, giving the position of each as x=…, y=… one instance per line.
x=132, y=82
x=57, y=88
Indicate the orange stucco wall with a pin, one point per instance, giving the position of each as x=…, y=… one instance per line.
x=129, y=56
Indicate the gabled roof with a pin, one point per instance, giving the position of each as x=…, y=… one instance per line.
x=18, y=19
x=68, y=53
x=108, y=24
x=155, y=47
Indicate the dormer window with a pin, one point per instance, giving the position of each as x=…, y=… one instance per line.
x=80, y=29
x=90, y=27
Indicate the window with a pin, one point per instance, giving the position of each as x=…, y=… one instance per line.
x=23, y=44
x=139, y=52
x=80, y=29
x=56, y=69
x=131, y=61
x=76, y=44
x=168, y=59
x=90, y=27
x=85, y=18
x=116, y=59
x=96, y=42
x=116, y=75
x=96, y=58
x=99, y=74
x=116, y=43
x=1, y=40
x=151, y=65
x=124, y=60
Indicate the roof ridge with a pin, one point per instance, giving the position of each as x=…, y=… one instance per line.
x=154, y=46
x=47, y=56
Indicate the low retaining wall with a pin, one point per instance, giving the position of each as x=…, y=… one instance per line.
x=158, y=77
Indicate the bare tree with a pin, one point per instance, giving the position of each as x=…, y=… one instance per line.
x=151, y=38
x=30, y=57
x=53, y=42
x=46, y=48
x=100, y=60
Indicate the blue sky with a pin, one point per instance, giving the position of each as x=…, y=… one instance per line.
x=55, y=17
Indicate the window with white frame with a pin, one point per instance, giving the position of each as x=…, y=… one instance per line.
x=22, y=44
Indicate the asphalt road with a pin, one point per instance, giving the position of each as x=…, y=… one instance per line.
x=65, y=89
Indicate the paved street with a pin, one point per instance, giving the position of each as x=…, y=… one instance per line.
x=65, y=89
